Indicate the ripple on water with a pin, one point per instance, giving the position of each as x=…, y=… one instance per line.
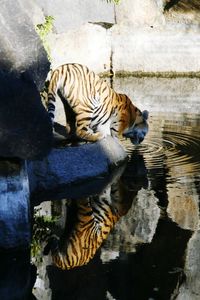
x=175, y=146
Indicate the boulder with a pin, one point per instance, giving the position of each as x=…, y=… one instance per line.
x=56, y=176
x=25, y=128
x=21, y=47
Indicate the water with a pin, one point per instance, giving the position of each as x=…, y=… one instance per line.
x=153, y=249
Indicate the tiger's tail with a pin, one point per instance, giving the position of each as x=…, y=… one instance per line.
x=52, y=93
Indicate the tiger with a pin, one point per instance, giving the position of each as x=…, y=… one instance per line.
x=93, y=110
x=96, y=216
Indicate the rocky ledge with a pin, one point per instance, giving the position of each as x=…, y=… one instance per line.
x=56, y=176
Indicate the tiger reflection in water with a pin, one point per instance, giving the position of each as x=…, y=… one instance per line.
x=95, y=218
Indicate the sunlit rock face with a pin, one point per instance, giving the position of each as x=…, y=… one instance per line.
x=82, y=36
x=25, y=129
x=93, y=40
x=148, y=12
x=21, y=47
x=134, y=36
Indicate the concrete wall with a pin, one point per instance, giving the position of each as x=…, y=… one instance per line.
x=73, y=14
x=142, y=37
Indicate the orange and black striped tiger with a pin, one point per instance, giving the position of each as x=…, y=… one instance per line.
x=94, y=110
x=95, y=218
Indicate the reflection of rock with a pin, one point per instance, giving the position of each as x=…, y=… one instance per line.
x=41, y=289
x=139, y=225
x=145, y=216
x=14, y=205
x=190, y=289
x=17, y=276
x=183, y=206
x=154, y=270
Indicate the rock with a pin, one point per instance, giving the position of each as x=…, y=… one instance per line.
x=78, y=13
x=17, y=276
x=21, y=47
x=51, y=176
x=148, y=12
x=93, y=40
x=138, y=226
x=155, y=50
x=190, y=287
x=142, y=37
x=25, y=128
x=14, y=205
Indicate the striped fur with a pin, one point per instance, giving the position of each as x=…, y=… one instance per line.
x=93, y=110
x=96, y=217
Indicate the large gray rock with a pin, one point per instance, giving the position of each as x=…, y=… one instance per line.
x=25, y=129
x=14, y=205
x=21, y=47
x=51, y=177
x=94, y=42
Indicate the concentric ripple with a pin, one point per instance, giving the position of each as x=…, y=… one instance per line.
x=174, y=147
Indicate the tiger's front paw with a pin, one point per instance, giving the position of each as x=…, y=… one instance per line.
x=92, y=137
x=97, y=136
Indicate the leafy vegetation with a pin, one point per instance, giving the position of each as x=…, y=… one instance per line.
x=42, y=229
x=115, y=1
x=43, y=30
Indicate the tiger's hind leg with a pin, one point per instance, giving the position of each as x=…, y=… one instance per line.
x=83, y=125
x=84, y=131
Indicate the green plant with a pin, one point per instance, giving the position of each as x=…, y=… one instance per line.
x=43, y=30
x=115, y=1
x=42, y=229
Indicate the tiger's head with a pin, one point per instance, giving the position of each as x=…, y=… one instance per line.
x=137, y=132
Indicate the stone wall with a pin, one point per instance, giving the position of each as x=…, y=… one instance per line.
x=134, y=36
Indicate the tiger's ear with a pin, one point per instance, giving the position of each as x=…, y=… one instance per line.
x=145, y=114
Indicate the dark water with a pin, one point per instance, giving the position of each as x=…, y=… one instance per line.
x=153, y=249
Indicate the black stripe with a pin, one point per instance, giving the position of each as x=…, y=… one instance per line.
x=51, y=106
x=107, y=118
x=51, y=115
